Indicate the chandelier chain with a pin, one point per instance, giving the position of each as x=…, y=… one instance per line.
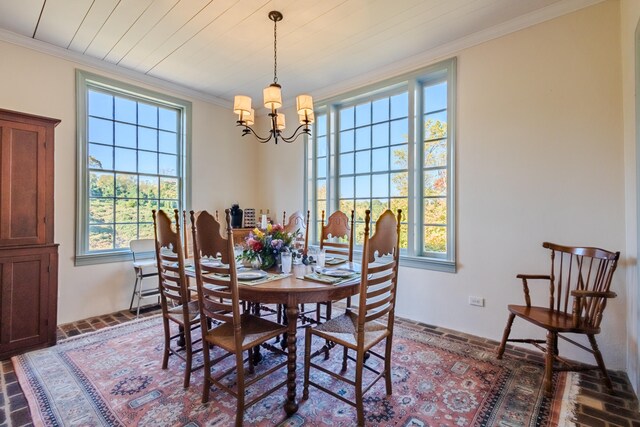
x=275, y=51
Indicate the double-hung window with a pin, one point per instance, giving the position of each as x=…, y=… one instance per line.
x=132, y=159
x=391, y=146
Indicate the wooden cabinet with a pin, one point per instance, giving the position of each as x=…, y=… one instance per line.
x=28, y=256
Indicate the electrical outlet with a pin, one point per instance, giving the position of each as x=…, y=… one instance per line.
x=479, y=301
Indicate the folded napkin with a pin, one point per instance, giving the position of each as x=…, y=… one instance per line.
x=335, y=261
x=317, y=277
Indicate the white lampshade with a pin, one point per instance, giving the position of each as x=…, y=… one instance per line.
x=250, y=119
x=280, y=124
x=304, y=104
x=272, y=96
x=311, y=117
x=242, y=105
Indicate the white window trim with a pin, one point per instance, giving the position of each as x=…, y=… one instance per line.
x=413, y=81
x=84, y=81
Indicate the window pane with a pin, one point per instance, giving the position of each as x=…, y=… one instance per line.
x=378, y=206
x=435, y=97
x=145, y=231
x=125, y=233
x=435, y=239
x=404, y=236
x=435, y=182
x=125, y=160
x=380, y=110
x=380, y=185
x=100, y=104
x=169, y=206
x=399, y=131
x=321, y=205
x=125, y=135
x=321, y=189
x=100, y=157
x=399, y=157
x=322, y=146
x=361, y=208
x=380, y=157
x=359, y=233
x=363, y=186
x=169, y=188
x=346, y=188
x=168, y=119
x=100, y=184
x=100, y=131
x=435, y=153
x=435, y=125
x=146, y=206
x=346, y=141
x=346, y=206
x=169, y=164
x=363, y=161
x=147, y=139
x=346, y=164
x=126, y=110
x=100, y=211
x=347, y=118
x=321, y=124
x=168, y=142
x=147, y=115
x=435, y=211
x=363, y=114
x=100, y=237
x=399, y=184
x=321, y=167
x=126, y=185
x=403, y=204
x=363, y=138
x=400, y=105
x=147, y=162
x=126, y=210
x=380, y=135
x=148, y=187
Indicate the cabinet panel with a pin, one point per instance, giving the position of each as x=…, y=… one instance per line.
x=23, y=196
x=25, y=301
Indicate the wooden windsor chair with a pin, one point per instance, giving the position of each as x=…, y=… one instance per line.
x=221, y=320
x=175, y=298
x=374, y=320
x=579, y=284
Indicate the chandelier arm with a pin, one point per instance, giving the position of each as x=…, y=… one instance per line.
x=301, y=130
x=249, y=129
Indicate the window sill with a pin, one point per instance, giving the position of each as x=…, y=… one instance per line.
x=428, y=263
x=103, y=258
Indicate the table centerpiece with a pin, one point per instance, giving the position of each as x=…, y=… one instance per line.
x=266, y=245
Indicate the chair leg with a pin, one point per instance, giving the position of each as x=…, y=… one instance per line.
x=135, y=290
x=600, y=361
x=548, y=363
x=505, y=335
x=345, y=353
x=207, y=372
x=240, y=390
x=167, y=342
x=139, y=297
x=387, y=364
x=251, y=360
x=307, y=362
x=189, y=356
x=359, y=394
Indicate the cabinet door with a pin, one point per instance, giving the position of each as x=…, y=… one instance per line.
x=22, y=184
x=24, y=301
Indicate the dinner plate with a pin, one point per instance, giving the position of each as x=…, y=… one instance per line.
x=251, y=275
x=336, y=272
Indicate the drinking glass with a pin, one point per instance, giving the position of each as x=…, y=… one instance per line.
x=285, y=258
x=320, y=257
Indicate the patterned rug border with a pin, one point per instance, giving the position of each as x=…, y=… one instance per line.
x=565, y=391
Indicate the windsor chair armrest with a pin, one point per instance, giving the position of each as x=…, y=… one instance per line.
x=525, y=286
x=582, y=294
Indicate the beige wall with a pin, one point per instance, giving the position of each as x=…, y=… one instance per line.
x=630, y=16
x=540, y=158
x=222, y=170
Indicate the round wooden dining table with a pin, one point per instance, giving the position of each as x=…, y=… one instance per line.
x=292, y=291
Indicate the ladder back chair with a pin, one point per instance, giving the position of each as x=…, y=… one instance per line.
x=579, y=284
x=143, y=267
x=175, y=298
x=222, y=323
x=336, y=238
x=373, y=322
x=298, y=226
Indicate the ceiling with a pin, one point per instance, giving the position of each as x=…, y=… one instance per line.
x=225, y=47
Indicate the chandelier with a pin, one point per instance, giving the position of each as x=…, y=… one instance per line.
x=272, y=101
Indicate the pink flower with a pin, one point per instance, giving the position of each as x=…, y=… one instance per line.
x=278, y=227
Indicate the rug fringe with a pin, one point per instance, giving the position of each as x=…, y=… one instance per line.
x=568, y=407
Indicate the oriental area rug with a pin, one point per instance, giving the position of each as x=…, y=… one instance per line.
x=112, y=377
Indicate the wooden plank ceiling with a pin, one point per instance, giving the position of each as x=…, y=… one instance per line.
x=225, y=47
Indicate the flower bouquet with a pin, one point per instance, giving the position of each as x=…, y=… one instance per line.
x=266, y=245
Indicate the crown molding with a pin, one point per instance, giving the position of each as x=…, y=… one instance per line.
x=80, y=59
x=449, y=49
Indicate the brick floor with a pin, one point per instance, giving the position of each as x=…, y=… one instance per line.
x=596, y=406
